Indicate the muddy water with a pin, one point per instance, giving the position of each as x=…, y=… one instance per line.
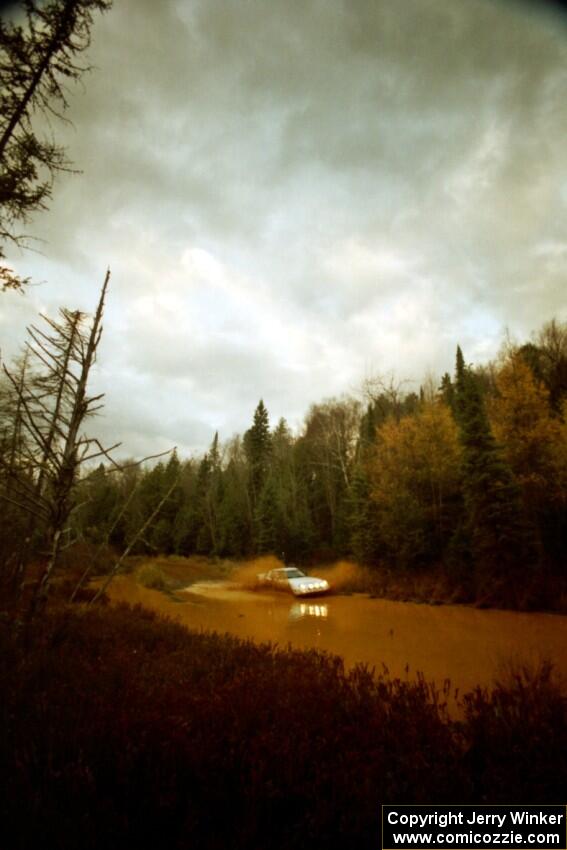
x=462, y=644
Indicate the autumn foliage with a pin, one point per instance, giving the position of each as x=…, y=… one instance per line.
x=460, y=488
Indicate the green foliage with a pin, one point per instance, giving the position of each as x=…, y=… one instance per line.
x=470, y=480
x=406, y=483
x=364, y=534
x=235, y=525
x=447, y=391
x=257, y=445
x=99, y=503
x=151, y=576
x=500, y=537
x=269, y=520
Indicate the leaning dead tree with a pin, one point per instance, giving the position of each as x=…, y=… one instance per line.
x=53, y=408
x=41, y=43
x=137, y=536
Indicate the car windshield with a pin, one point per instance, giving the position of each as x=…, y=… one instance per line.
x=293, y=573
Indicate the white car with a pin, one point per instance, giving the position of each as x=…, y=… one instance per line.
x=290, y=578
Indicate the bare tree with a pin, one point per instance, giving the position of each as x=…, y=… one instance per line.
x=385, y=393
x=54, y=408
x=137, y=536
x=116, y=521
x=331, y=435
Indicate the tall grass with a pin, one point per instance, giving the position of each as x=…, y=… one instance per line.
x=120, y=730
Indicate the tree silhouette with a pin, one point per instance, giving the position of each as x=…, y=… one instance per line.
x=39, y=47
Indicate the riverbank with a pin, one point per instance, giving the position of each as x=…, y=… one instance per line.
x=433, y=586
x=120, y=729
x=464, y=645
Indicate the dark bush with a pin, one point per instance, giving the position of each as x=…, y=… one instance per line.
x=123, y=730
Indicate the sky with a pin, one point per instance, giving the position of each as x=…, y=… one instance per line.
x=295, y=195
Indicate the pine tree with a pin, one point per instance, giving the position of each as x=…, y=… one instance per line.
x=364, y=540
x=186, y=522
x=447, y=391
x=367, y=433
x=100, y=496
x=235, y=533
x=204, y=542
x=257, y=445
x=500, y=538
x=268, y=520
x=535, y=445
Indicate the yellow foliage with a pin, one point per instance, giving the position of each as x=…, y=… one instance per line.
x=534, y=441
x=420, y=450
x=415, y=472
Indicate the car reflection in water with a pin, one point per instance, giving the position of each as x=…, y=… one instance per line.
x=300, y=610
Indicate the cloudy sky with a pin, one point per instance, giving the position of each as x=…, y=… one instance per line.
x=293, y=195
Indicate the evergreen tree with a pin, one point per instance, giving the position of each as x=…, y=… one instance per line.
x=447, y=391
x=535, y=445
x=213, y=495
x=100, y=497
x=204, y=543
x=367, y=432
x=257, y=445
x=501, y=543
x=235, y=536
x=364, y=538
x=162, y=536
x=269, y=521
x=186, y=524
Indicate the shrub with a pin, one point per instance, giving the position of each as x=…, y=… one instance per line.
x=123, y=730
x=151, y=576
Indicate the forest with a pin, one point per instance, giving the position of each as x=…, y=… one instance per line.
x=121, y=728
x=124, y=729
x=468, y=477
x=472, y=474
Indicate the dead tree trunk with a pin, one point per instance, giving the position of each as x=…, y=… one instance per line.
x=54, y=407
x=133, y=542
x=70, y=455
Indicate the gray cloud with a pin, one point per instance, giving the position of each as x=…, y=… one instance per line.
x=290, y=194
